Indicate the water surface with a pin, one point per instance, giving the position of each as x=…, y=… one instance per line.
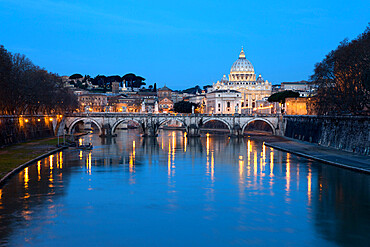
x=178, y=191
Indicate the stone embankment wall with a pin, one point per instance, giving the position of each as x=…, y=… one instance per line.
x=14, y=129
x=350, y=133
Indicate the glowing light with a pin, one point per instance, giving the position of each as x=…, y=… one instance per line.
x=287, y=173
x=51, y=119
x=26, y=178
x=272, y=164
x=51, y=161
x=80, y=141
x=39, y=170
x=26, y=120
x=207, y=146
x=61, y=160
x=80, y=154
x=38, y=120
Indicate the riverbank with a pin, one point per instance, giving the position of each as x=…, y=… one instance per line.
x=15, y=155
x=326, y=155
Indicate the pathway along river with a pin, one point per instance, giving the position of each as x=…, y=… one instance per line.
x=178, y=191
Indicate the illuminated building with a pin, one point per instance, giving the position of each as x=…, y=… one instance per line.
x=242, y=78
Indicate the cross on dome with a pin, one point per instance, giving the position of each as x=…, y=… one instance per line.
x=242, y=55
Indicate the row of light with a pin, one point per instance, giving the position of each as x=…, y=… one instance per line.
x=38, y=120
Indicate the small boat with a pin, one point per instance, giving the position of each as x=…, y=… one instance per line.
x=85, y=147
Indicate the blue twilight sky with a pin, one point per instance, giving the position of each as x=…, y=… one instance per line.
x=179, y=43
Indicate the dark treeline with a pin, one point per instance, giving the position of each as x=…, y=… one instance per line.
x=105, y=82
x=26, y=88
x=342, y=79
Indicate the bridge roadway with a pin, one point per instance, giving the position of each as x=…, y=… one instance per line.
x=149, y=123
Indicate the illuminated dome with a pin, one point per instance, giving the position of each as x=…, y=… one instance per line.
x=242, y=64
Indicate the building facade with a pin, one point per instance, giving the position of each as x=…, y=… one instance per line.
x=223, y=102
x=242, y=78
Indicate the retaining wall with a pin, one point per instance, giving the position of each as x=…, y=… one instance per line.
x=350, y=133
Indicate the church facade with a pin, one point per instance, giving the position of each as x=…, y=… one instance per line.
x=242, y=78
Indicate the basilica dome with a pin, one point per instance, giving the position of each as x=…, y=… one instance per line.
x=242, y=64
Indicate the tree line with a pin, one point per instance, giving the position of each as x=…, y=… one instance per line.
x=25, y=88
x=342, y=79
x=105, y=82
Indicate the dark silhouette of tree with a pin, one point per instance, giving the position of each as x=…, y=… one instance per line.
x=139, y=81
x=281, y=96
x=155, y=87
x=129, y=79
x=75, y=76
x=342, y=79
x=184, y=106
x=28, y=89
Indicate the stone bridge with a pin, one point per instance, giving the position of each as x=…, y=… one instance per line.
x=150, y=123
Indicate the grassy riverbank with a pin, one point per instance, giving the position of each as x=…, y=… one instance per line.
x=17, y=154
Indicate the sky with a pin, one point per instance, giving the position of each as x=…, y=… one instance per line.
x=179, y=43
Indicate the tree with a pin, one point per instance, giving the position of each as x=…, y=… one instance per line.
x=75, y=76
x=342, y=78
x=184, y=106
x=28, y=89
x=139, y=82
x=155, y=87
x=129, y=79
x=281, y=96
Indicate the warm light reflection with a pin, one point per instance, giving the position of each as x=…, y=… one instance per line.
x=51, y=161
x=80, y=141
x=271, y=163
x=61, y=160
x=131, y=164
x=80, y=155
x=241, y=166
x=169, y=160
x=26, y=178
x=249, y=158
x=185, y=141
x=255, y=164
x=173, y=146
x=212, y=166
x=89, y=163
x=39, y=170
x=309, y=185
x=287, y=173
x=207, y=144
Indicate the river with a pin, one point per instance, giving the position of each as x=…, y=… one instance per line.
x=179, y=191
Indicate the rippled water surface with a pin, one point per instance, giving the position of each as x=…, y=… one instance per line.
x=178, y=191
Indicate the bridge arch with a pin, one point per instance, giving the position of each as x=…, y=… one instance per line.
x=74, y=122
x=260, y=119
x=219, y=120
x=163, y=121
x=119, y=121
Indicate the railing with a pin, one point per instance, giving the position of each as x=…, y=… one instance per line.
x=129, y=114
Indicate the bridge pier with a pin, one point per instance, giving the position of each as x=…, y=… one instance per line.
x=107, y=131
x=192, y=130
x=236, y=131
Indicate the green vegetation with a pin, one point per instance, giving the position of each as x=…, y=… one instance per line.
x=15, y=155
x=281, y=96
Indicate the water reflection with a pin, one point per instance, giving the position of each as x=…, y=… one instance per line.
x=239, y=188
